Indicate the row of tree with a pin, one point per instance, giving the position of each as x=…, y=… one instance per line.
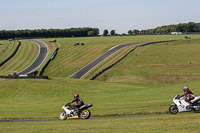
x=47, y=33
x=106, y=32
x=182, y=27
x=84, y=32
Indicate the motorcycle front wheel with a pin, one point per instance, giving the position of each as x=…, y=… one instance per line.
x=85, y=114
x=63, y=116
x=173, y=109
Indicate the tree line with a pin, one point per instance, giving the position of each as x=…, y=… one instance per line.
x=167, y=29
x=87, y=31
x=49, y=33
x=106, y=33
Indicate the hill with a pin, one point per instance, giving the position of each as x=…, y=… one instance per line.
x=26, y=54
x=142, y=86
x=71, y=58
x=165, y=63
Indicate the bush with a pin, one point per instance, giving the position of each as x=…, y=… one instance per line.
x=91, y=33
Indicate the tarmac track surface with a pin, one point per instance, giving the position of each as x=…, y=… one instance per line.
x=79, y=74
x=43, y=50
x=114, y=117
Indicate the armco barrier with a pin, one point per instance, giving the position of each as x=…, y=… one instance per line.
x=19, y=44
x=105, y=69
x=52, y=57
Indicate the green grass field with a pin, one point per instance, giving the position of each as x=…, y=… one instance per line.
x=71, y=58
x=138, y=124
x=26, y=54
x=142, y=85
x=164, y=63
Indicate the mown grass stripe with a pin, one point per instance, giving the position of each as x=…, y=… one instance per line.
x=6, y=50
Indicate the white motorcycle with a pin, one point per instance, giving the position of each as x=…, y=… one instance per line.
x=180, y=105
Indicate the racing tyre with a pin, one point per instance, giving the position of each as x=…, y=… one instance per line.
x=197, y=110
x=173, y=109
x=85, y=114
x=62, y=116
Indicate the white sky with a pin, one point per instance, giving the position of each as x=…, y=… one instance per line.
x=119, y=15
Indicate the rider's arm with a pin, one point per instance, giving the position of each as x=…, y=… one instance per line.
x=70, y=102
x=181, y=96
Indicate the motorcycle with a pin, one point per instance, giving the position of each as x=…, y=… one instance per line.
x=70, y=113
x=180, y=105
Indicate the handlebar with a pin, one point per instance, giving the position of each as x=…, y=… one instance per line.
x=67, y=104
x=177, y=97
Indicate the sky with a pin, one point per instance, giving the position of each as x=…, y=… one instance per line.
x=119, y=15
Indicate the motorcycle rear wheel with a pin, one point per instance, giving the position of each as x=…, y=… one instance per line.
x=173, y=109
x=63, y=116
x=197, y=110
x=85, y=114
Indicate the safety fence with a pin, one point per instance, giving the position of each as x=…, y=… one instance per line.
x=52, y=57
x=105, y=69
x=6, y=60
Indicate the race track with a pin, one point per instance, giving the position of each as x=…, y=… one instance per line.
x=114, y=117
x=83, y=71
x=43, y=51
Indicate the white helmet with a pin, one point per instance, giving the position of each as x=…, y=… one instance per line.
x=185, y=88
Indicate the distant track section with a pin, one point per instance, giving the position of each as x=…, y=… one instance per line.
x=79, y=74
x=144, y=44
x=43, y=51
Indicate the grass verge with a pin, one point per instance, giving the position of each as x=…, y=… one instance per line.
x=138, y=124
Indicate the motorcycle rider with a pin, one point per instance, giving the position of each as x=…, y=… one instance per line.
x=188, y=94
x=79, y=103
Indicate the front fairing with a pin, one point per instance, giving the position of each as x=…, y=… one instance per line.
x=68, y=109
x=65, y=107
x=182, y=104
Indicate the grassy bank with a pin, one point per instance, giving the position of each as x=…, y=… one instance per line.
x=165, y=63
x=33, y=99
x=142, y=85
x=26, y=54
x=71, y=58
x=6, y=49
x=138, y=124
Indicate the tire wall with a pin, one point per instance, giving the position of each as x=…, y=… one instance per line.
x=52, y=57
